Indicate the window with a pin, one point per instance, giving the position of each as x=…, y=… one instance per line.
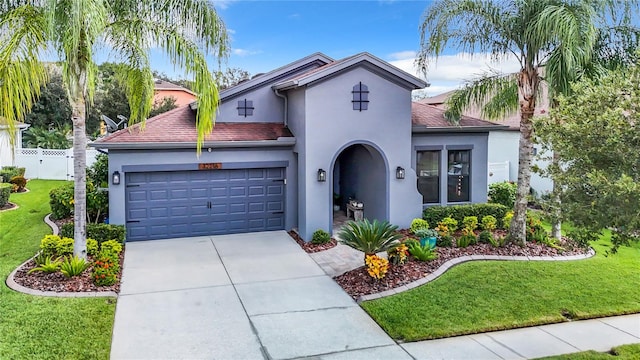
x=360, y=97
x=245, y=108
x=458, y=174
x=428, y=169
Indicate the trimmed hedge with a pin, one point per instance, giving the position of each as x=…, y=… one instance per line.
x=7, y=172
x=99, y=232
x=435, y=214
x=61, y=201
x=5, y=192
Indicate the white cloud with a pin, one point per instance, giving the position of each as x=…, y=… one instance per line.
x=294, y=16
x=222, y=4
x=451, y=71
x=244, y=52
x=231, y=31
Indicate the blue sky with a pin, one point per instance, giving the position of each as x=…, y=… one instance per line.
x=268, y=34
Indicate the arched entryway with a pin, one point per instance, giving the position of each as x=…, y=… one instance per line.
x=359, y=172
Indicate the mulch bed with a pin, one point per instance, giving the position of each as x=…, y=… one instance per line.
x=309, y=247
x=8, y=206
x=59, y=283
x=357, y=282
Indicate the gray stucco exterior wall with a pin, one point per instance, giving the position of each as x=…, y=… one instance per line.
x=476, y=142
x=129, y=160
x=331, y=125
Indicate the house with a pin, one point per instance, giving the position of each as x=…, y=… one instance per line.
x=164, y=89
x=504, y=143
x=7, y=157
x=286, y=144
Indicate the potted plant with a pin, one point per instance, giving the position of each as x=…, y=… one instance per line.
x=427, y=236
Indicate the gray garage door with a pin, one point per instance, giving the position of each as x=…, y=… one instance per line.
x=162, y=205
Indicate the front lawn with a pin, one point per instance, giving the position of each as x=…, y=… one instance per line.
x=494, y=295
x=624, y=352
x=39, y=327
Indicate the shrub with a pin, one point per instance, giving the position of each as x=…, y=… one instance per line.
x=320, y=237
x=61, y=201
x=8, y=172
x=98, y=172
x=485, y=237
x=100, y=232
x=423, y=253
x=369, y=237
x=435, y=214
x=64, y=246
x=489, y=223
x=111, y=246
x=535, y=231
x=19, y=181
x=470, y=222
x=377, y=267
x=97, y=203
x=398, y=255
x=448, y=225
x=92, y=247
x=445, y=241
x=506, y=220
x=47, y=265
x=503, y=193
x=410, y=242
x=466, y=240
x=498, y=241
x=73, y=266
x=583, y=236
x=49, y=244
x=426, y=233
x=418, y=224
x=105, y=271
x=5, y=192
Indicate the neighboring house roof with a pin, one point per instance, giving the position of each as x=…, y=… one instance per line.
x=373, y=63
x=429, y=118
x=176, y=129
x=512, y=122
x=160, y=85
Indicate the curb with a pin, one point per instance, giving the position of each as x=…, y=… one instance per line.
x=19, y=288
x=459, y=260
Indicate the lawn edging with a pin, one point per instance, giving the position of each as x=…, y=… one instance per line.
x=19, y=288
x=459, y=260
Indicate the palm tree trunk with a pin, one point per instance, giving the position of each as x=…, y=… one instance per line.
x=79, y=178
x=528, y=87
x=556, y=204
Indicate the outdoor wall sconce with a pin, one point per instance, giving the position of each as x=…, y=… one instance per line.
x=399, y=173
x=322, y=175
x=115, y=178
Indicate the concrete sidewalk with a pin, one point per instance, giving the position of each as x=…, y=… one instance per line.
x=260, y=296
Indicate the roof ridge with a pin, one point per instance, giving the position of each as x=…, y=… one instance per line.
x=146, y=122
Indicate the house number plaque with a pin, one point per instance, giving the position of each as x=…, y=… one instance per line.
x=209, y=166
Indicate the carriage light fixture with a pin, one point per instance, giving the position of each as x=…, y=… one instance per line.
x=322, y=175
x=399, y=172
x=115, y=178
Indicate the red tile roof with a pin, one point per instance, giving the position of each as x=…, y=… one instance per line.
x=178, y=125
x=433, y=117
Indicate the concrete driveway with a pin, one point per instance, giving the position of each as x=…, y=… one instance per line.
x=246, y=296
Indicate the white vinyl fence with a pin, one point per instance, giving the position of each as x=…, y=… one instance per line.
x=49, y=164
x=498, y=172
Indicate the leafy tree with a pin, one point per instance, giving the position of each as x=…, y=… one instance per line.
x=559, y=36
x=231, y=77
x=163, y=105
x=52, y=110
x=187, y=84
x=186, y=30
x=44, y=138
x=595, y=134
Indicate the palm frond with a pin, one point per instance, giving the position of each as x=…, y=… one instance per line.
x=22, y=75
x=495, y=94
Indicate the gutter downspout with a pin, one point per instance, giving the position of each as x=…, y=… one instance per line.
x=286, y=106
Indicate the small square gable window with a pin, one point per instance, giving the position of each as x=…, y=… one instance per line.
x=360, y=97
x=245, y=108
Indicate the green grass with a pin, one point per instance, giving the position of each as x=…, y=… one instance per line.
x=494, y=295
x=624, y=352
x=33, y=327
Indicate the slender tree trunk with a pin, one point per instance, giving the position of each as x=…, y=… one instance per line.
x=79, y=177
x=528, y=87
x=556, y=203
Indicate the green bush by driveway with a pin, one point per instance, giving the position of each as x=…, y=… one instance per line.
x=38, y=327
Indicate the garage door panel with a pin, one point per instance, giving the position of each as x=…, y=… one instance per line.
x=193, y=203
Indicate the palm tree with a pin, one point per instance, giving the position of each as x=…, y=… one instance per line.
x=557, y=35
x=76, y=30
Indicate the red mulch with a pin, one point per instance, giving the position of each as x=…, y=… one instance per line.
x=57, y=282
x=8, y=206
x=309, y=247
x=357, y=282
